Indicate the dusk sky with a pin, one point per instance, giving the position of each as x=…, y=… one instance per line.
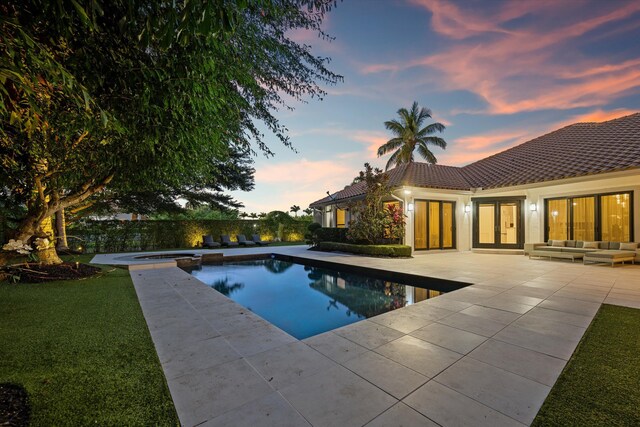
x=496, y=73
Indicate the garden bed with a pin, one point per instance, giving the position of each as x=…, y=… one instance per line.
x=37, y=273
x=390, y=251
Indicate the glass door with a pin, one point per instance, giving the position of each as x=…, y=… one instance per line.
x=498, y=224
x=434, y=226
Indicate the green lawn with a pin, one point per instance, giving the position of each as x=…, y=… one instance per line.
x=83, y=352
x=600, y=386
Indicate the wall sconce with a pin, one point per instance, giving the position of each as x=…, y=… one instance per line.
x=410, y=207
x=467, y=208
x=533, y=207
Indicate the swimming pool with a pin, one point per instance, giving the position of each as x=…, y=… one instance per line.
x=306, y=300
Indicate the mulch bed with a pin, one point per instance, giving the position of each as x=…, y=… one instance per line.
x=14, y=405
x=36, y=273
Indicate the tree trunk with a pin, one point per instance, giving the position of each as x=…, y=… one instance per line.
x=61, y=231
x=48, y=256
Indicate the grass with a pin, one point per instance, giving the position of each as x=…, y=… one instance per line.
x=599, y=385
x=83, y=352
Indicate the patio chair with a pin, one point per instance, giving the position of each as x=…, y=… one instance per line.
x=243, y=240
x=258, y=241
x=226, y=240
x=208, y=242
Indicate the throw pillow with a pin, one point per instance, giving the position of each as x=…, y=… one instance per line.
x=560, y=243
x=590, y=245
x=628, y=246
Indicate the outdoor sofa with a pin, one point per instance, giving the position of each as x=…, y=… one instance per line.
x=601, y=252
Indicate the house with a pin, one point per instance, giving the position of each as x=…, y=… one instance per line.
x=580, y=182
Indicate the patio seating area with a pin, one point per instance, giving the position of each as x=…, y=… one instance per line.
x=487, y=354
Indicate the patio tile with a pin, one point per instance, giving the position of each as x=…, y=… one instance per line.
x=506, y=305
x=447, y=407
x=561, y=316
x=269, y=411
x=287, y=364
x=500, y=316
x=237, y=322
x=526, y=363
x=258, y=339
x=570, y=305
x=390, y=376
x=623, y=302
x=368, y=334
x=421, y=356
x=543, y=343
x=508, y=393
x=476, y=325
x=427, y=311
x=173, y=337
x=550, y=327
x=450, y=338
x=335, y=347
x=336, y=397
x=400, y=415
x=196, y=356
x=447, y=304
x=404, y=323
x=211, y=392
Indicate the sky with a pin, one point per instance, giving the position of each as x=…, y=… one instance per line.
x=495, y=73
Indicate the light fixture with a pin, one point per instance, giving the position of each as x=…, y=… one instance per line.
x=407, y=191
x=467, y=208
x=533, y=207
x=410, y=207
x=554, y=213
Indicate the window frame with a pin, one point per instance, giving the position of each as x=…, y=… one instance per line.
x=597, y=213
x=454, y=243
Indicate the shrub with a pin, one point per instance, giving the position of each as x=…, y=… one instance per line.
x=332, y=234
x=311, y=236
x=373, y=250
x=372, y=222
x=122, y=236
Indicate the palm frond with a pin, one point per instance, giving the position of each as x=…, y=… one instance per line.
x=426, y=154
x=432, y=128
x=392, y=160
x=390, y=145
x=394, y=126
x=438, y=142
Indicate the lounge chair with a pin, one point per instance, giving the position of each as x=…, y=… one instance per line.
x=226, y=240
x=243, y=240
x=258, y=241
x=208, y=242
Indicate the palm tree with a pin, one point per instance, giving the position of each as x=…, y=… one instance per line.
x=409, y=136
x=294, y=209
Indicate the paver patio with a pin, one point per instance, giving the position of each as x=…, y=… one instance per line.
x=487, y=354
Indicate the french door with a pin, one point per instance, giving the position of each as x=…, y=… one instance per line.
x=498, y=223
x=434, y=224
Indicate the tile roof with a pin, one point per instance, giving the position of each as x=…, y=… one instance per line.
x=576, y=150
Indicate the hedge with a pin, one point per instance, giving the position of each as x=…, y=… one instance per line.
x=374, y=250
x=331, y=234
x=122, y=236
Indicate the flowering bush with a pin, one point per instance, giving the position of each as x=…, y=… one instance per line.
x=394, y=222
x=18, y=246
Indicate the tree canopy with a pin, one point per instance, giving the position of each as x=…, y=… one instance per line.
x=145, y=97
x=410, y=136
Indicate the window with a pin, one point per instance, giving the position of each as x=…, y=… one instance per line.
x=558, y=219
x=615, y=217
x=341, y=218
x=604, y=217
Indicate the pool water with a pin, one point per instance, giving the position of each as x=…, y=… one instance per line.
x=304, y=300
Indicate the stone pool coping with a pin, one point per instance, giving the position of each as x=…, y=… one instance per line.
x=487, y=354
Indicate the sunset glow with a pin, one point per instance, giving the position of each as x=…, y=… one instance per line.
x=495, y=73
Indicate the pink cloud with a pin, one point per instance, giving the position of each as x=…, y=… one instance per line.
x=527, y=69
